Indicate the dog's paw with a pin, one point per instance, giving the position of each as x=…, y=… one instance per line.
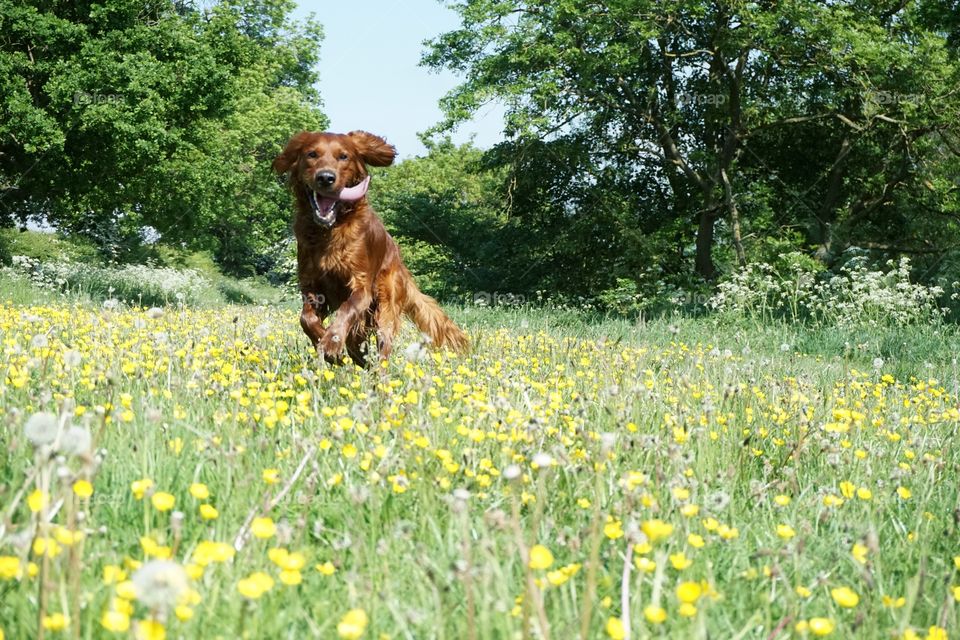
x=331, y=345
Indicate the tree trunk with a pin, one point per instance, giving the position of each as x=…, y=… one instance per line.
x=731, y=204
x=703, y=261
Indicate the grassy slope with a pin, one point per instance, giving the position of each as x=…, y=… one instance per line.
x=89, y=279
x=219, y=396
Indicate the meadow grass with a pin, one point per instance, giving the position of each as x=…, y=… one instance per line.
x=571, y=477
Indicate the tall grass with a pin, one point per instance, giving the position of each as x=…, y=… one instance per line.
x=679, y=478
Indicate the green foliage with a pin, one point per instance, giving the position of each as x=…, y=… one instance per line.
x=685, y=133
x=45, y=247
x=447, y=214
x=136, y=115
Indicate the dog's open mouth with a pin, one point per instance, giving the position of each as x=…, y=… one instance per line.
x=325, y=207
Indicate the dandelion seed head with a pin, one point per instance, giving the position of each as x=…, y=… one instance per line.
x=41, y=428
x=160, y=584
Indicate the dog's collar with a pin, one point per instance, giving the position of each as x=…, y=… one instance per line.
x=325, y=207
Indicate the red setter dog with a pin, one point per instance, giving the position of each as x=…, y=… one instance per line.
x=346, y=260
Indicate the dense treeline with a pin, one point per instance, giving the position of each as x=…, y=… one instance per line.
x=126, y=119
x=653, y=139
x=650, y=146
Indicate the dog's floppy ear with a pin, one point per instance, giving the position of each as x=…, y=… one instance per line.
x=373, y=149
x=291, y=153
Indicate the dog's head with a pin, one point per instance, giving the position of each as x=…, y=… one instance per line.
x=332, y=167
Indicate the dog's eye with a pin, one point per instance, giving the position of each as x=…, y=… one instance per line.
x=312, y=154
x=343, y=156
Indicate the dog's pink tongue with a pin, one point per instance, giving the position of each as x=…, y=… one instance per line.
x=352, y=194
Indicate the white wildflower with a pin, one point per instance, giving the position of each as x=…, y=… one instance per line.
x=72, y=358
x=542, y=459
x=159, y=584
x=41, y=428
x=512, y=472
x=415, y=352
x=75, y=441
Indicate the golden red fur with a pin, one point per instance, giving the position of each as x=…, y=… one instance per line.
x=346, y=260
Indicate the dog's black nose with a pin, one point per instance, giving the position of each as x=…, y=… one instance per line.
x=326, y=178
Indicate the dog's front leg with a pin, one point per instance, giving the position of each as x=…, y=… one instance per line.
x=312, y=315
x=346, y=319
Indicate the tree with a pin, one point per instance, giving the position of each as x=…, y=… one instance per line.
x=447, y=214
x=734, y=107
x=133, y=115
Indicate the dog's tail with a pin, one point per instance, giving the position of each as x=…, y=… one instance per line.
x=431, y=320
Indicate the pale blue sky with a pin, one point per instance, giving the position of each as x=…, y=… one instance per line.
x=369, y=72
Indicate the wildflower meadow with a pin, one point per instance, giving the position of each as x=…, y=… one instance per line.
x=186, y=472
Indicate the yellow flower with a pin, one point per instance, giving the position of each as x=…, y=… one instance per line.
x=654, y=614
x=864, y=494
x=785, y=531
x=208, y=512
x=183, y=613
x=781, y=500
x=286, y=560
x=263, y=528
x=687, y=610
x=727, y=532
x=9, y=567
x=125, y=590
x=162, y=501
x=540, y=557
x=326, y=568
x=680, y=561
x=613, y=529
x=353, y=624
x=821, y=626
x=255, y=585
x=956, y=593
x=695, y=540
x=152, y=548
x=802, y=591
x=904, y=493
x=83, y=488
x=689, y=591
x=847, y=489
x=656, y=529
x=38, y=500
x=271, y=476
x=615, y=629
x=845, y=597
x=859, y=553
x=66, y=537
x=199, y=491
x=644, y=564
x=893, y=603
x=291, y=577
x=46, y=547
x=936, y=633
x=55, y=622
x=140, y=487
x=150, y=630
x=115, y=621
x=207, y=552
